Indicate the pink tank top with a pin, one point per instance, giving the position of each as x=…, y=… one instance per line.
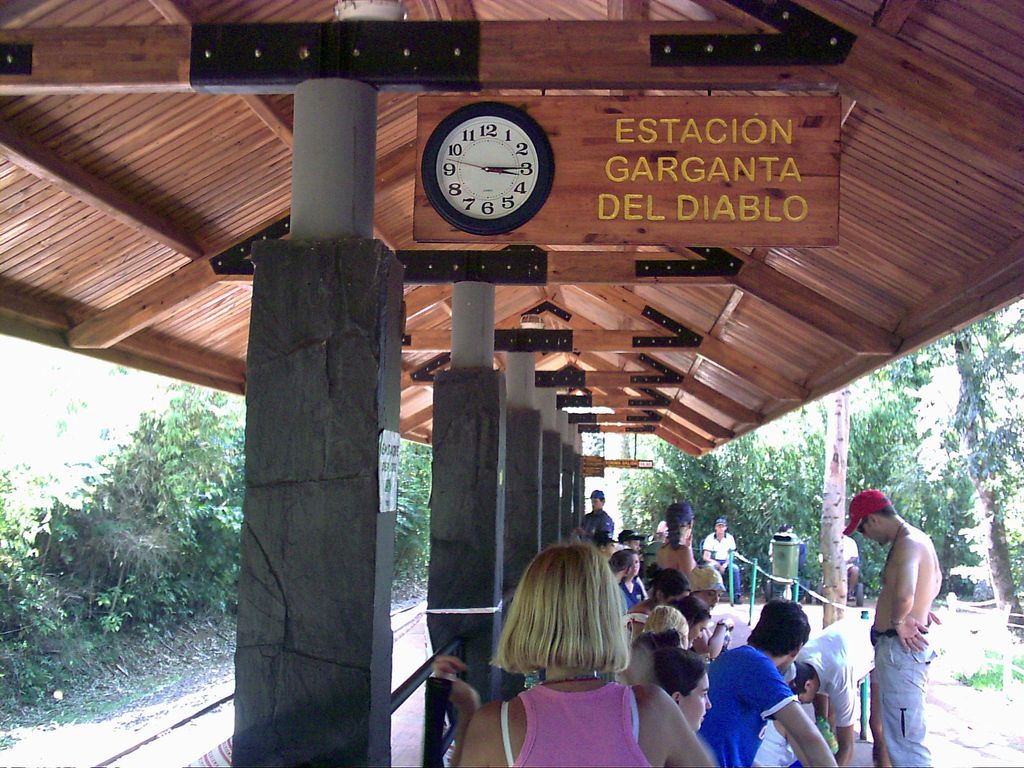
x=584, y=728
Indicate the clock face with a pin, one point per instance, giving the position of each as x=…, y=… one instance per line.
x=487, y=168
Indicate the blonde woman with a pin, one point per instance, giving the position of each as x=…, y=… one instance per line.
x=665, y=617
x=565, y=620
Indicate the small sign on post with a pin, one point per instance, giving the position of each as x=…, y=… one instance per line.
x=390, y=445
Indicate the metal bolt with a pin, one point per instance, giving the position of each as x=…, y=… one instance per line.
x=709, y=48
x=457, y=51
x=355, y=51
x=10, y=59
x=785, y=15
x=208, y=53
x=304, y=53
x=406, y=52
x=668, y=49
x=757, y=47
x=257, y=53
x=833, y=41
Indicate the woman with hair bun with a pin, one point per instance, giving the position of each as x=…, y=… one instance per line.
x=564, y=620
x=677, y=552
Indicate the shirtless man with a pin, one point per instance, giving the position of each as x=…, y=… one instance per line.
x=910, y=581
x=677, y=552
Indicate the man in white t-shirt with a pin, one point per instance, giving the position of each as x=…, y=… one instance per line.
x=717, y=547
x=827, y=673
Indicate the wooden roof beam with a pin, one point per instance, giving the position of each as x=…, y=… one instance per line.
x=675, y=440
x=172, y=10
x=687, y=434
x=582, y=341
x=43, y=163
x=893, y=14
x=266, y=111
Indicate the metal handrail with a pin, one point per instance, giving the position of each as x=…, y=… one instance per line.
x=398, y=696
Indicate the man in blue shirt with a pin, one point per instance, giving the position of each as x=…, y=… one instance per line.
x=747, y=689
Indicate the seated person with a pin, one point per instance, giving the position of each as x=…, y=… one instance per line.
x=706, y=584
x=708, y=637
x=605, y=544
x=717, y=547
x=630, y=539
x=683, y=675
x=747, y=689
x=663, y=618
x=641, y=656
x=625, y=565
x=851, y=557
x=668, y=585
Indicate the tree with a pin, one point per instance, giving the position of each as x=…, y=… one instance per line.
x=833, y=507
x=990, y=427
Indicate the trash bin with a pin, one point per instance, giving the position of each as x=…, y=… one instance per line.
x=785, y=561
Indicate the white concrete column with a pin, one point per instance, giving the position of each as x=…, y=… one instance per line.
x=564, y=427
x=519, y=379
x=473, y=325
x=334, y=160
x=547, y=403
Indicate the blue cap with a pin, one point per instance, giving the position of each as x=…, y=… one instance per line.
x=597, y=495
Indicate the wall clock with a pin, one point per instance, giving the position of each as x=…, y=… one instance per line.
x=487, y=168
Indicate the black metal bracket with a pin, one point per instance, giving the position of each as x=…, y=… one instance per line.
x=683, y=337
x=582, y=418
x=803, y=38
x=569, y=376
x=641, y=430
x=647, y=416
x=531, y=340
x=574, y=401
x=15, y=58
x=717, y=262
x=654, y=400
x=515, y=265
x=433, y=54
x=554, y=309
x=588, y=428
x=426, y=372
x=665, y=375
x=237, y=260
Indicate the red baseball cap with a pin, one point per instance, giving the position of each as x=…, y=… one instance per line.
x=863, y=504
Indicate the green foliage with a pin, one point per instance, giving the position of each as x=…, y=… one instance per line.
x=412, y=527
x=150, y=539
x=990, y=673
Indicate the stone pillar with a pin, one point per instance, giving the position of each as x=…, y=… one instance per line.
x=523, y=470
x=313, y=657
x=568, y=454
x=467, y=505
x=551, y=468
x=577, y=488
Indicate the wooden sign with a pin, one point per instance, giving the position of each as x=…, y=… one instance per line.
x=594, y=466
x=665, y=170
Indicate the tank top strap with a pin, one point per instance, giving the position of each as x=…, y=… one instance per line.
x=505, y=741
x=634, y=712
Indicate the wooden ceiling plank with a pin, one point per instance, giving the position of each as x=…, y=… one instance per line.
x=144, y=308
x=687, y=434
x=172, y=10
x=266, y=111
x=891, y=77
x=725, y=355
x=629, y=10
x=893, y=14
x=44, y=163
x=700, y=421
x=456, y=10
x=814, y=310
x=721, y=403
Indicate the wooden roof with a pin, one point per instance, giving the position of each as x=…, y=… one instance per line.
x=118, y=184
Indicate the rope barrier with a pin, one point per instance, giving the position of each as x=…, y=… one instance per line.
x=789, y=582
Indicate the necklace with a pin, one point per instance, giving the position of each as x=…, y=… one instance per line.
x=579, y=678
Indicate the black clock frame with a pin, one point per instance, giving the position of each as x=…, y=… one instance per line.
x=541, y=189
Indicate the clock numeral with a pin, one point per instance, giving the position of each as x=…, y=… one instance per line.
x=469, y=135
x=454, y=190
x=526, y=169
x=508, y=202
x=520, y=188
x=490, y=131
x=521, y=148
x=487, y=207
x=455, y=149
x=448, y=169
x=469, y=202
x=508, y=135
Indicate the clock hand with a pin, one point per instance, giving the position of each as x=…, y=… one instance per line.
x=509, y=169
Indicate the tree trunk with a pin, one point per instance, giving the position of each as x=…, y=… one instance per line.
x=833, y=508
